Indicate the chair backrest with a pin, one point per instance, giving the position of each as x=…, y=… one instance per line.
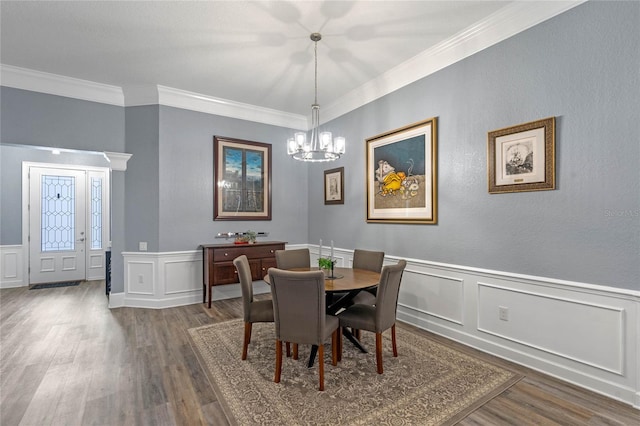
x=246, y=283
x=369, y=260
x=298, y=305
x=387, y=295
x=289, y=259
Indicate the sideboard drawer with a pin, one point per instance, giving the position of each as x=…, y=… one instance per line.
x=252, y=251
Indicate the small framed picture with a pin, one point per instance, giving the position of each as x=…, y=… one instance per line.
x=334, y=186
x=522, y=158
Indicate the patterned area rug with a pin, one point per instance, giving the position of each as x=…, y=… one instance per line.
x=54, y=285
x=427, y=384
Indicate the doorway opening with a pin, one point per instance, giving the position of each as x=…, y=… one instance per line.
x=66, y=217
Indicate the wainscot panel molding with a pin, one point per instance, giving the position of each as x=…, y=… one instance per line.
x=12, y=266
x=584, y=334
x=164, y=280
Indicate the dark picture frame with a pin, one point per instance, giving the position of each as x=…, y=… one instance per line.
x=334, y=186
x=242, y=179
x=522, y=158
x=402, y=175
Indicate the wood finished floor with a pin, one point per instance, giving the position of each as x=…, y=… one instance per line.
x=66, y=359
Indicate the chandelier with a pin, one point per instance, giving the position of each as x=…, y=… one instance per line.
x=321, y=146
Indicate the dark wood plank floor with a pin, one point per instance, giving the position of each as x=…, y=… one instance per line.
x=66, y=359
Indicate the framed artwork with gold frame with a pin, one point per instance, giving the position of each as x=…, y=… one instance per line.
x=402, y=176
x=522, y=158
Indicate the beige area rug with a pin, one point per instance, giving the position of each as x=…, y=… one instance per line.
x=427, y=384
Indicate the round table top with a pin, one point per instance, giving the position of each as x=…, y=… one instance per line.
x=347, y=279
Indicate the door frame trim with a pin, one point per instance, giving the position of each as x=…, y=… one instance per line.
x=26, y=165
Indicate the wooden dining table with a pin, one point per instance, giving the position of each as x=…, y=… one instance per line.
x=345, y=281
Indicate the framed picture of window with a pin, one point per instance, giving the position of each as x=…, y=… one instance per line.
x=242, y=179
x=522, y=158
x=334, y=186
x=401, y=175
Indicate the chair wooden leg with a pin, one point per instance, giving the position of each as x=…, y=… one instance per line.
x=334, y=347
x=379, y=352
x=321, y=365
x=247, y=339
x=339, y=344
x=295, y=351
x=393, y=340
x=358, y=334
x=288, y=345
x=278, y=361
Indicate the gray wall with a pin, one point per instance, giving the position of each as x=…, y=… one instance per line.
x=186, y=181
x=143, y=171
x=32, y=118
x=35, y=119
x=169, y=193
x=583, y=68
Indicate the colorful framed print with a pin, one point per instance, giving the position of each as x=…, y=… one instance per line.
x=242, y=179
x=401, y=175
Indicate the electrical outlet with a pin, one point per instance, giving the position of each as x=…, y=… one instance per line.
x=142, y=246
x=503, y=313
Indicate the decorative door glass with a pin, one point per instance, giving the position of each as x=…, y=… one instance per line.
x=58, y=213
x=96, y=213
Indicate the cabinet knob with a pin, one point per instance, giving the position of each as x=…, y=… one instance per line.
x=271, y=251
x=226, y=254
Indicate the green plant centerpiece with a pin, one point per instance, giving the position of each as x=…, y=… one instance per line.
x=327, y=264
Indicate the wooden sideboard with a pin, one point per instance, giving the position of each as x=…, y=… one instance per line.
x=217, y=261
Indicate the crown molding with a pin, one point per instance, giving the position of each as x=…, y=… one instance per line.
x=118, y=160
x=53, y=84
x=167, y=96
x=504, y=23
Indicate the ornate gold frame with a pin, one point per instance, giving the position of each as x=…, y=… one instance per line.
x=522, y=158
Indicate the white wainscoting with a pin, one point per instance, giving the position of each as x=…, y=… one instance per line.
x=585, y=334
x=12, y=266
x=161, y=280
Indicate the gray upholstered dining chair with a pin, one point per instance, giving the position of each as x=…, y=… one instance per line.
x=382, y=316
x=289, y=259
x=300, y=315
x=371, y=261
x=253, y=310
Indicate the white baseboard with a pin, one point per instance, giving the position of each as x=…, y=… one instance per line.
x=582, y=333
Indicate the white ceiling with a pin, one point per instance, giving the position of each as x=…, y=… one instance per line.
x=253, y=52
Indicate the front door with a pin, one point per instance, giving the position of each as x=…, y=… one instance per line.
x=57, y=228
